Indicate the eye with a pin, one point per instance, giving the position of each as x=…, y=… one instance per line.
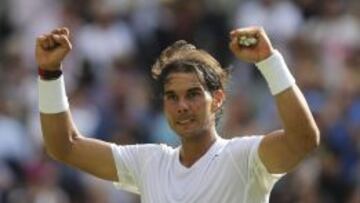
x=171, y=97
x=192, y=95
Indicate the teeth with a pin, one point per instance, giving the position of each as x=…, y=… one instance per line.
x=185, y=121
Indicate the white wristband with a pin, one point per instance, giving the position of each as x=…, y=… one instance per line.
x=52, y=96
x=276, y=73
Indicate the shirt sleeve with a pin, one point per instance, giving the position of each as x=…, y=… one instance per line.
x=257, y=169
x=130, y=160
x=246, y=157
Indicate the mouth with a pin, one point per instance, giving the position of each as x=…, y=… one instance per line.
x=185, y=121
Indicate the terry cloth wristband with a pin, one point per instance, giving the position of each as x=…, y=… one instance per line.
x=52, y=95
x=276, y=73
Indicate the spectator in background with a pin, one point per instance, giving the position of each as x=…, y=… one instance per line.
x=111, y=37
x=281, y=18
x=14, y=144
x=335, y=32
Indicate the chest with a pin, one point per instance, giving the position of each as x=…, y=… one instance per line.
x=215, y=179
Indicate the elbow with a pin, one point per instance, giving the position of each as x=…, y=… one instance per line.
x=311, y=139
x=60, y=150
x=57, y=155
x=305, y=141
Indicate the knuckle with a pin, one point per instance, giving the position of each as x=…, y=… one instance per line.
x=41, y=37
x=63, y=38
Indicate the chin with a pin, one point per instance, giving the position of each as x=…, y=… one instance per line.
x=188, y=133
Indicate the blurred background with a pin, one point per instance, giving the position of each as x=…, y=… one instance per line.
x=113, y=98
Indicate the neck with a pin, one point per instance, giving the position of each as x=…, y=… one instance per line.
x=193, y=149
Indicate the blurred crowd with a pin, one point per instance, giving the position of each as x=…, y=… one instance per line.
x=113, y=97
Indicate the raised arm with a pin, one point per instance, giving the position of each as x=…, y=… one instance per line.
x=281, y=150
x=62, y=140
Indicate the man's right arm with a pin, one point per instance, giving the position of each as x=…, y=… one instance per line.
x=64, y=143
x=62, y=140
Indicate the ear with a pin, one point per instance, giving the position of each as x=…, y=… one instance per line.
x=218, y=100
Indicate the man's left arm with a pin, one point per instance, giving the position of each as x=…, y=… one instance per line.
x=281, y=150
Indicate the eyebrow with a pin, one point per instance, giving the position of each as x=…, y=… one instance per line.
x=169, y=92
x=193, y=89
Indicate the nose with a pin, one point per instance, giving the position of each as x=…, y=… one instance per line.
x=183, y=106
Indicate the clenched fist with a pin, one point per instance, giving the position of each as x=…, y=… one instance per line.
x=52, y=48
x=257, y=48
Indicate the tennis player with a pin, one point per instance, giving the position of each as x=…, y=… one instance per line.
x=205, y=168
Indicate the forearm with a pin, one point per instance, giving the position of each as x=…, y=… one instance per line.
x=301, y=131
x=56, y=123
x=282, y=150
x=58, y=133
x=62, y=140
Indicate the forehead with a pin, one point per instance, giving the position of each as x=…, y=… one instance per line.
x=182, y=82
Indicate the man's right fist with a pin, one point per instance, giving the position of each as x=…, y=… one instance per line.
x=52, y=48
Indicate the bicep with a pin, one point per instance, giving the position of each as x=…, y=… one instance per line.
x=92, y=156
x=276, y=153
